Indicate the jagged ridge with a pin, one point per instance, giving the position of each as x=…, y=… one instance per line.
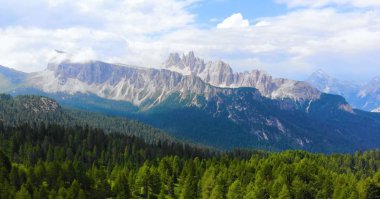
x=220, y=74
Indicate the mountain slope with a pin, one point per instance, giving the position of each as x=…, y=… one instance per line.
x=246, y=119
x=10, y=78
x=36, y=109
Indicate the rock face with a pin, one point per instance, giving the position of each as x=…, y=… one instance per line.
x=361, y=96
x=220, y=74
x=141, y=86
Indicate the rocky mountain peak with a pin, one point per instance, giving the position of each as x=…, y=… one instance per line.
x=322, y=80
x=173, y=60
x=189, y=58
x=220, y=74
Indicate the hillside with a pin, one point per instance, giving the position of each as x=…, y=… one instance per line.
x=28, y=109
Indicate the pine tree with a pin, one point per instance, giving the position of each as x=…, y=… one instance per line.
x=235, y=191
x=142, y=181
x=23, y=194
x=250, y=191
x=121, y=186
x=189, y=189
x=284, y=193
x=217, y=192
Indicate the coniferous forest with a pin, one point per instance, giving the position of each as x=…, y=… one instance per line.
x=52, y=161
x=47, y=153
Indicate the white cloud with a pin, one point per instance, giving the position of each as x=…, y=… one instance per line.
x=28, y=49
x=234, y=21
x=123, y=16
x=110, y=30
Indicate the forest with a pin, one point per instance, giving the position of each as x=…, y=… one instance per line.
x=53, y=161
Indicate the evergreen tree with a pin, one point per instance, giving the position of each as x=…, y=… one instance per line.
x=121, y=186
x=235, y=191
x=284, y=193
x=142, y=181
x=217, y=192
x=189, y=189
x=23, y=194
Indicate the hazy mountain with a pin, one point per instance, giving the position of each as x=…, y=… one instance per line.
x=211, y=105
x=369, y=95
x=361, y=96
x=10, y=78
x=325, y=83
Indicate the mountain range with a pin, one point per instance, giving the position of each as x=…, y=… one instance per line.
x=207, y=103
x=220, y=74
x=362, y=96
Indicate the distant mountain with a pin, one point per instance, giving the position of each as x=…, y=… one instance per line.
x=369, y=95
x=361, y=96
x=10, y=78
x=325, y=83
x=205, y=102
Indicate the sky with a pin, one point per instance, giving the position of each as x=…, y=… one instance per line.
x=286, y=38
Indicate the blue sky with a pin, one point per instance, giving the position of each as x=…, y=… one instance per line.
x=212, y=12
x=287, y=38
